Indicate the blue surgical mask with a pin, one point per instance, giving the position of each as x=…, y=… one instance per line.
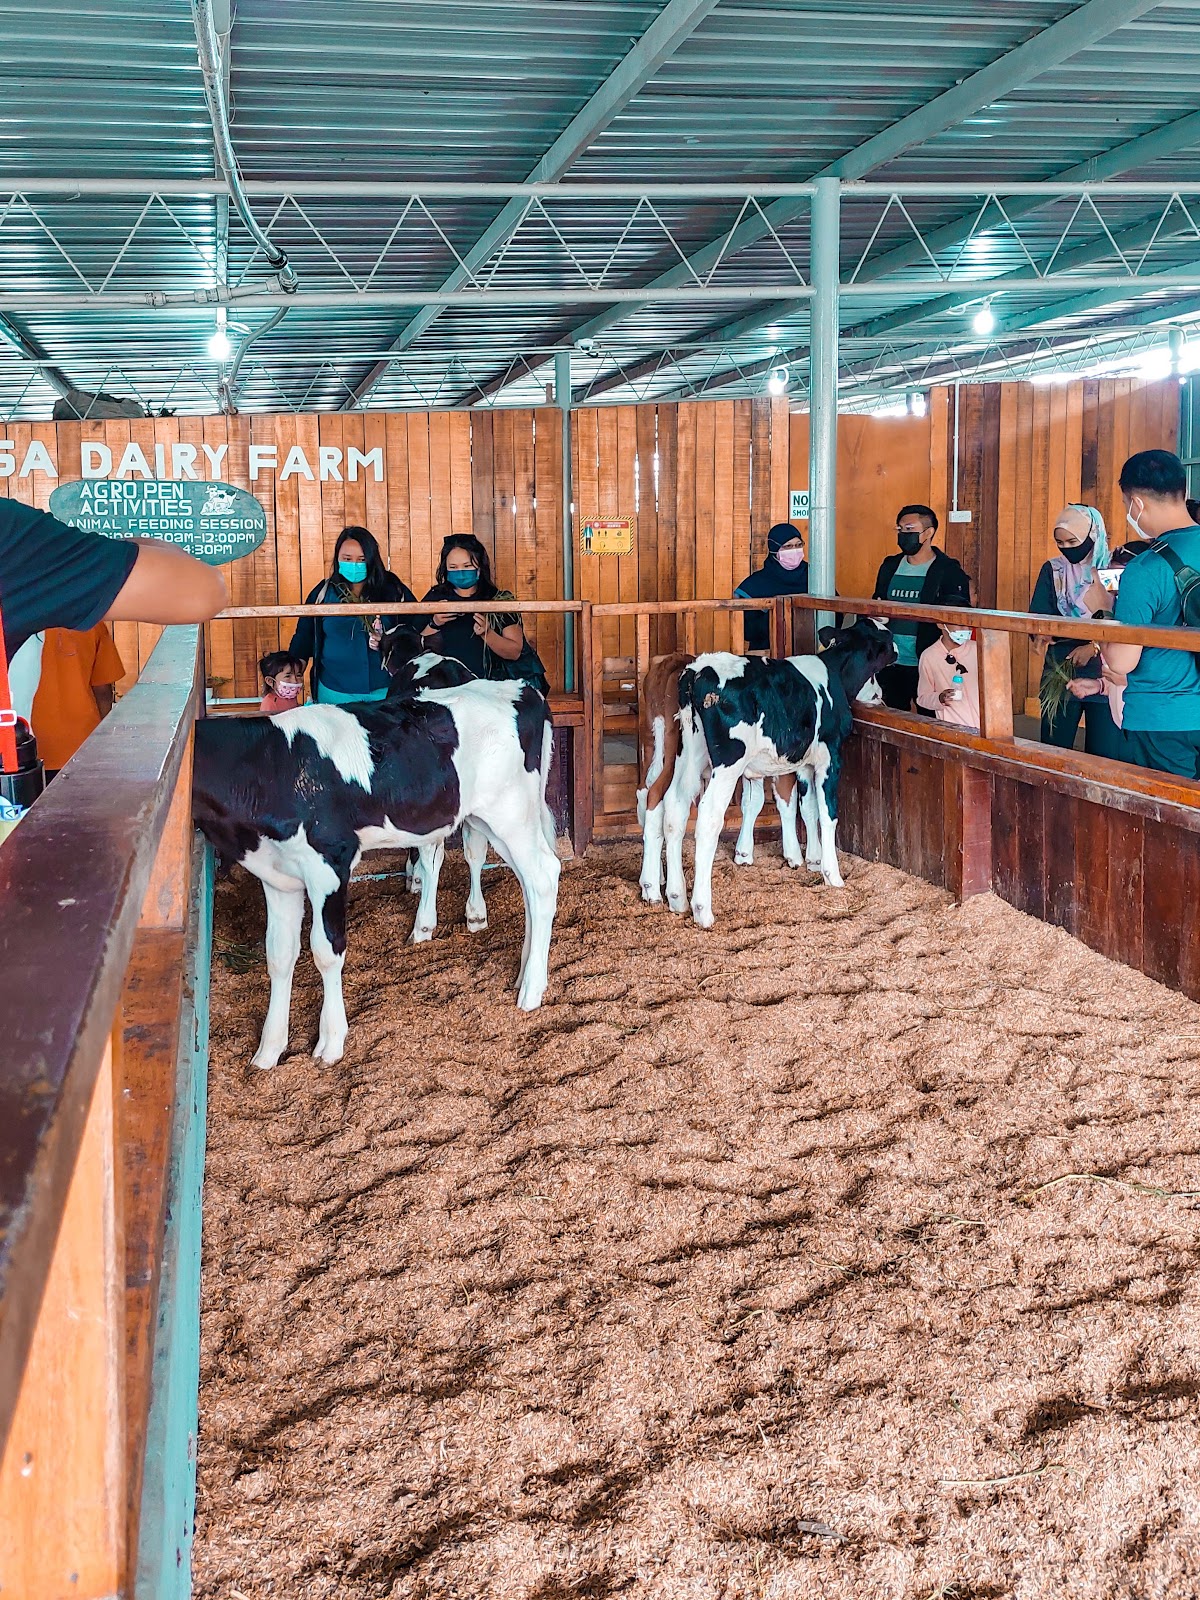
x=463, y=577
x=353, y=571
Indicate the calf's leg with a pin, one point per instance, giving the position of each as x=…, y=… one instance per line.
x=812, y=820
x=652, y=849
x=826, y=789
x=710, y=817
x=430, y=857
x=285, y=913
x=787, y=796
x=515, y=833
x=752, y=804
x=327, y=889
x=685, y=786
x=475, y=852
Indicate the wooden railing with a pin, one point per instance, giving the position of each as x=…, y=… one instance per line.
x=103, y=941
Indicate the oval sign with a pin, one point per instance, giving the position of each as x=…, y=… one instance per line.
x=212, y=521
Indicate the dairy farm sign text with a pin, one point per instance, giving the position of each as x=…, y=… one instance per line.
x=327, y=463
x=214, y=521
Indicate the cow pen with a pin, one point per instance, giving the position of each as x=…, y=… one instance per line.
x=711, y=1268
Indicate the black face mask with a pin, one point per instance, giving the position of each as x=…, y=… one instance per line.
x=909, y=543
x=1075, y=553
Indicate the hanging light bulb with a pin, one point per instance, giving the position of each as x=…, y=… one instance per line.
x=984, y=320
x=778, y=381
x=917, y=404
x=220, y=347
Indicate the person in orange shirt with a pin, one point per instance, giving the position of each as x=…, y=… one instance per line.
x=79, y=671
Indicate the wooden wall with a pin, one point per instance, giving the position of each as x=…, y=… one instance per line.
x=1025, y=450
x=704, y=482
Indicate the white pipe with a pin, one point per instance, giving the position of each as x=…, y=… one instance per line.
x=209, y=50
x=823, y=394
x=317, y=188
x=957, y=387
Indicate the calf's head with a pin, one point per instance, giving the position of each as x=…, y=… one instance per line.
x=857, y=654
x=398, y=646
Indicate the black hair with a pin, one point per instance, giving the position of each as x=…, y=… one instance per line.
x=379, y=584
x=478, y=553
x=960, y=598
x=277, y=661
x=1193, y=509
x=1159, y=473
x=927, y=512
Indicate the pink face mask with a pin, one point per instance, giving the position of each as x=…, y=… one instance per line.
x=286, y=690
x=789, y=560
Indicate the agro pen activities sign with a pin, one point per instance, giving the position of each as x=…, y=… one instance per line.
x=213, y=521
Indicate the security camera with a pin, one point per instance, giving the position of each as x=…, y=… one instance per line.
x=588, y=346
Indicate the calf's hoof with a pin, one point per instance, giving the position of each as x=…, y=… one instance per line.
x=266, y=1057
x=652, y=893
x=329, y=1051
x=421, y=935
x=834, y=879
x=702, y=916
x=743, y=858
x=530, y=996
x=476, y=924
x=677, y=903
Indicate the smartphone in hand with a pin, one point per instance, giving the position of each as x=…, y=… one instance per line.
x=1110, y=578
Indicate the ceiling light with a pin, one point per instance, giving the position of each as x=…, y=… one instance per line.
x=778, y=381
x=984, y=320
x=219, y=346
x=917, y=404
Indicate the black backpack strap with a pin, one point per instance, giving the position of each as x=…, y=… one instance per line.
x=1163, y=549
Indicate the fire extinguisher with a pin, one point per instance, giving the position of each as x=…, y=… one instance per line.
x=22, y=775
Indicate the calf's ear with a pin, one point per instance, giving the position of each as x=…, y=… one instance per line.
x=827, y=636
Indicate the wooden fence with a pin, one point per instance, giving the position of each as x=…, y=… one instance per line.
x=103, y=971
x=1024, y=451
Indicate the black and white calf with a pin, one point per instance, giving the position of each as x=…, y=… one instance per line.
x=746, y=717
x=297, y=798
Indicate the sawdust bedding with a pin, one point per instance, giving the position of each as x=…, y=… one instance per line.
x=749, y=1266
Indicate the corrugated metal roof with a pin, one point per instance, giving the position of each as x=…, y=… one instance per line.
x=466, y=90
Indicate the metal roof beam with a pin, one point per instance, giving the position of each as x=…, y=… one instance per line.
x=1050, y=47
x=1181, y=134
x=675, y=23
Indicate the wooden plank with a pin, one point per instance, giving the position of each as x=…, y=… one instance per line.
x=355, y=488
x=330, y=434
x=627, y=499
x=685, y=510
x=504, y=430
x=607, y=505
x=62, y=1490
x=1031, y=848
x=891, y=847
x=150, y=1011
x=585, y=482
x=420, y=532
x=1006, y=858
x=1095, y=923
x=723, y=578
x=870, y=801
x=1006, y=525
x=525, y=577
x=1060, y=900
x=1073, y=484
x=667, y=443
x=1056, y=478
x=761, y=469
x=743, y=425
x=483, y=511
x=1164, y=851
x=548, y=537
x=995, y=684
x=705, y=478
x=441, y=523
x=647, y=521
x=1089, y=442
x=1126, y=925
x=316, y=553
x=400, y=552
x=780, y=457
x=938, y=420
x=460, y=472
x=375, y=510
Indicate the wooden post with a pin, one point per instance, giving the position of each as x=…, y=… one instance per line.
x=584, y=750
x=169, y=891
x=779, y=627
x=641, y=659
x=595, y=694
x=967, y=807
x=689, y=633
x=62, y=1488
x=995, y=684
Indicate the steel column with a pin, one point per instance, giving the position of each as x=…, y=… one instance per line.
x=822, y=392
x=562, y=395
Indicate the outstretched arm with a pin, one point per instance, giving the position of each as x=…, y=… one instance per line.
x=167, y=585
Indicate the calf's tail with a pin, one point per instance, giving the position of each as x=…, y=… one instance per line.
x=548, y=828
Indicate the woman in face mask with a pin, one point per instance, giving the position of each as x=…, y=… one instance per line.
x=1061, y=591
x=489, y=643
x=345, y=658
x=785, y=571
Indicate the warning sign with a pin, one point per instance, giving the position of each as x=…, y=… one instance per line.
x=607, y=536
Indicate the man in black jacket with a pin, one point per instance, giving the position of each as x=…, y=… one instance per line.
x=920, y=574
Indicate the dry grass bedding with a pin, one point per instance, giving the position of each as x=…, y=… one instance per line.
x=845, y=1250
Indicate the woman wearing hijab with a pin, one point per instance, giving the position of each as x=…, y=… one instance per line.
x=489, y=643
x=1060, y=591
x=345, y=658
x=785, y=571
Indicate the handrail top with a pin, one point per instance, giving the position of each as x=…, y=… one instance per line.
x=73, y=878
x=401, y=608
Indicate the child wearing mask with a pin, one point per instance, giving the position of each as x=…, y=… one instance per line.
x=283, y=675
x=948, y=675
